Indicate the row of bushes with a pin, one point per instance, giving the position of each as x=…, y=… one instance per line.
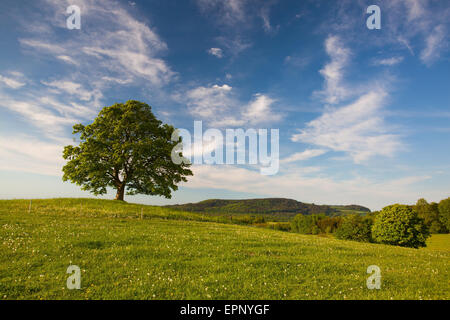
x=245, y=219
x=397, y=224
x=315, y=224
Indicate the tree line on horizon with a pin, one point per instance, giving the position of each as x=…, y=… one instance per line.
x=403, y=225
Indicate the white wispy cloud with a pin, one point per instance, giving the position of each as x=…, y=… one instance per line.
x=304, y=155
x=207, y=102
x=422, y=22
x=217, y=52
x=73, y=88
x=425, y=21
x=12, y=82
x=435, y=42
x=237, y=13
x=236, y=18
x=219, y=105
x=265, y=16
x=260, y=110
x=333, y=72
x=67, y=59
x=235, y=44
x=120, y=45
x=415, y=8
x=73, y=110
x=358, y=129
x=227, y=12
x=28, y=154
x=38, y=114
x=43, y=46
x=116, y=80
x=388, y=61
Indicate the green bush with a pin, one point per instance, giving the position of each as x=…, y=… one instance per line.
x=429, y=212
x=282, y=226
x=400, y=225
x=306, y=224
x=437, y=227
x=247, y=219
x=315, y=230
x=329, y=224
x=444, y=213
x=354, y=227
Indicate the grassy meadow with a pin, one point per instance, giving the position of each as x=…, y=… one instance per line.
x=129, y=251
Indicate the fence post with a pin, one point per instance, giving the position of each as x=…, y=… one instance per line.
x=142, y=213
x=29, y=207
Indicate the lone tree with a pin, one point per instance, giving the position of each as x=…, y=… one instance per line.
x=125, y=148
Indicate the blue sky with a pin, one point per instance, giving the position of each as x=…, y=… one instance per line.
x=363, y=114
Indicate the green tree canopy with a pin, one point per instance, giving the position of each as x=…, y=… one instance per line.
x=306, y=224
x=429, y=212
x=400, y=225
x=355, y=227
x=444, y=213
x=125, y=148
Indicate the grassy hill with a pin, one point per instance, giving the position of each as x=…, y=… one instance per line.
x=128, y=251
x=271, y=206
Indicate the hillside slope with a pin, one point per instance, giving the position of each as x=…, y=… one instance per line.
x=272, y=206
x=164, y=256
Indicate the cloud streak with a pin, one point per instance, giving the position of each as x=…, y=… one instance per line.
x=28, y=154
x=217, y=52
x=120, y=46
x=304, y=155
x=220, y=107
x=12, y=82
x=435, y=43
x=357, y=129
x=333, y=72
x=388, y=61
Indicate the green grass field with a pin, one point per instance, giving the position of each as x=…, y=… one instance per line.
x=438, y=242
x=176, y=255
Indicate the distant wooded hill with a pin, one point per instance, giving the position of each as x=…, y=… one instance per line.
x=270, y=206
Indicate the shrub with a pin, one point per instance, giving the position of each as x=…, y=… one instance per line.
x=354, y=227
x=437, y=227
x=306, y=224
x=444, y=213
x=281, y=226
x=247, y=219
x=315, y=229
x=429, y=212
x=400, y=225
x=329, y=224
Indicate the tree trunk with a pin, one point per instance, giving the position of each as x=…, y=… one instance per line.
x=120, y=192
